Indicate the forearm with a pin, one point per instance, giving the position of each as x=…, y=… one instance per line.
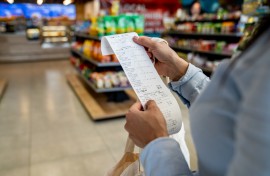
x=178, y=67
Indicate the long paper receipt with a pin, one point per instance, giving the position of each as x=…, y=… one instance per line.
x=143, y=76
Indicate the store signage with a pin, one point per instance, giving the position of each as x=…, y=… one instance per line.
x=33, y=10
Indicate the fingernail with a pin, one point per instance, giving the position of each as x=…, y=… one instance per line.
x=136, y=38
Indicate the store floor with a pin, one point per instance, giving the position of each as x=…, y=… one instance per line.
x=44, y=130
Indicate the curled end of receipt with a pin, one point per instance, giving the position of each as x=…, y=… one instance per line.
x=106, y=48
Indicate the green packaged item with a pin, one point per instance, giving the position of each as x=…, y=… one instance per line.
x=199, y=27
x=120, y=24
x=218, y=27
x=139, y=24
x=100, y=27
x=220, y=46
x=109, y=24
x=130, y=25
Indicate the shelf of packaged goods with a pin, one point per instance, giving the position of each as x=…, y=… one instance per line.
x=186, y=50
x=99, y=64
x=232, y=37
x=208, y=21
x=53, y=36
x=54, y=28
x=86, y=36
x=204, y=69
x=96, y=104
x=55, y=40
x=104, y=90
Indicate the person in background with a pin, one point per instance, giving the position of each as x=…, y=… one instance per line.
x=229, y=115
x=195, y=10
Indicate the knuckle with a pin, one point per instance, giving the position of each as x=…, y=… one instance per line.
x=155, y=45
x=152, y=103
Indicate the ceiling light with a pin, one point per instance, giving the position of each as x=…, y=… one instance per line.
x=39, y=2
x=67, y=2
x=10, y=1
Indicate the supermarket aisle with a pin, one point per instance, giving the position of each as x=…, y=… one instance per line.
x=44, y=130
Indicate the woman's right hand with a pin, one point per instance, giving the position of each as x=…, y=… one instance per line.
x=167, y=63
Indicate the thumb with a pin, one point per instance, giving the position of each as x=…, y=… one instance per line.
x=151, y=104
x=144, y=41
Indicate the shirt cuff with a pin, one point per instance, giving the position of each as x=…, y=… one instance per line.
x=163, y=156
x=191, y=71
x=179, y=86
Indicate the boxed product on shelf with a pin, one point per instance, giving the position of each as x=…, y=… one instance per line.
x=207, y=27
x=220, y=15
x=109, y=79
x=109, y=25
x=102, y=79
x=202, y=62
x=92, y=50
x=203, y=45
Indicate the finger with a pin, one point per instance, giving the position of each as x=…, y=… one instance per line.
x=144, y=41
x=136, y=141
x=127, y=127
x=150, y=54
x=136, y=106
x=151, y=104
x=160, y=40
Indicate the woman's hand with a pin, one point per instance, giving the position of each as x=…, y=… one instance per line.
x=168, y=63
x=145, y=126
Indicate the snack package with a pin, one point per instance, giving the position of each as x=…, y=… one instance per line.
x=87, y=45
x=120, y=24
x=139, y=24
x=130, y=25
x=109, y=24
x=100, y=27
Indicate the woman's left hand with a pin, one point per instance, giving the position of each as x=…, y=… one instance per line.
x=145, y=126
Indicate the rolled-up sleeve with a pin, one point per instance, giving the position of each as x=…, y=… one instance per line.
x=190, y=85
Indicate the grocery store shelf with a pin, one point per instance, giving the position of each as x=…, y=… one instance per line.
x=54, y=28
x=3, y=84
x=97, y=105
x=204, y=69
x=208, y=20
x=99, y=64
x=86, y=36
x=233, y=37
x=93, y=87
x=186, y=50
x=54, y=36
x=236, y=35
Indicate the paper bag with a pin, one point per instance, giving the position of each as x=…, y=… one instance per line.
x=129, y=165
